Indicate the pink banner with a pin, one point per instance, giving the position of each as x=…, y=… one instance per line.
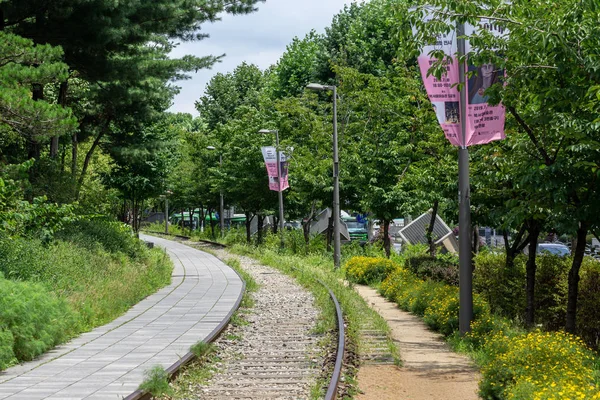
x=270, y=157
x=485, y=123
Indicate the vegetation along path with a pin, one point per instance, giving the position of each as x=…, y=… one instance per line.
x=276, y=353
x=109, y=362
x=430, y=370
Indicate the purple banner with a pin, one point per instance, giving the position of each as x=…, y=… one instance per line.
x=270, y=157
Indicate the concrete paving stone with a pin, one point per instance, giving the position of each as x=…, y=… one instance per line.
x=20, y=396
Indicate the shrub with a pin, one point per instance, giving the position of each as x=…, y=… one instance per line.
x=7, y=354
x=551, y=289
x=367, y=270
x=33, y=319
x=538, y=365
x=503, y=288
x=437, y=269
x=588, y=303
x=112, y=236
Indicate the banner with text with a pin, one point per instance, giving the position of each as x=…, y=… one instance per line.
x=485, y=123
x=270, y=157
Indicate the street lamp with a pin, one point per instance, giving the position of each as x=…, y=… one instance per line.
x=336, y=178
x=279, y=191
x=221, y=203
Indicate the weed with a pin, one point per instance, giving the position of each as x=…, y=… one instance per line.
x=201, y=349
x=156, y=382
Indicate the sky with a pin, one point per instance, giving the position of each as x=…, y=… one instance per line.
x=259, y=38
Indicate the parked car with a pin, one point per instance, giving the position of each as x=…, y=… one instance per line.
x=557, y=249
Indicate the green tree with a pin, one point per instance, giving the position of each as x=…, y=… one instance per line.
x=551, y=64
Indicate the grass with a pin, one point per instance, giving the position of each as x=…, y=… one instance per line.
x=84, y=269
x=156, y=382
x=202, y=348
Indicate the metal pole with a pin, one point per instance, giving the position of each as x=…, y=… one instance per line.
x=336, y=188
x=465, y=313
x=167, y=214
x=221, y=211
x=279, y=192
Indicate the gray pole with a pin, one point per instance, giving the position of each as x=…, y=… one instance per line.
x=279, y=192
x=465, y=313
x=167, y=214
x=221, y=211
x=336, y=188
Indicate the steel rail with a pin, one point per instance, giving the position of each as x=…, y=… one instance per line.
x=341, y=347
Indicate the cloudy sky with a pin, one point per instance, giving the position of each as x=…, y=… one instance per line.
x=259, y=38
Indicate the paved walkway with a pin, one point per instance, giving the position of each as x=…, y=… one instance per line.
x=109, y=362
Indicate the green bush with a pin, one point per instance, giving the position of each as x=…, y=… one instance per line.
x=503, y=288
x=112, y=236
x=33, y=319
x=367, y=270
x=7, y=353
x=551, y=289
x=434, y=268
x=588, y=304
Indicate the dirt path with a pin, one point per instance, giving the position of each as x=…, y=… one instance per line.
x=430, y=371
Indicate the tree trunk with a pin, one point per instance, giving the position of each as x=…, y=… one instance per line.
x=34, y=150
x=476, y=244
x=571, y=323
x=386, y=237
x=534, y=232
x=88, y=158
x=202, y=218
x=248, y=230
x=306, y=231
x=62, y=101
x=124, y=211
x=517, y=246
x=306, y=223
x=329, y=232
x=74, y=149
x=212, y=222
x=259, y=233
x=275, y=226
x=429, y=233
x=191, y=218
x=63, y=156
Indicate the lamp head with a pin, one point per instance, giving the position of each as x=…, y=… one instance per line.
x=315, y=86
x=211, y=148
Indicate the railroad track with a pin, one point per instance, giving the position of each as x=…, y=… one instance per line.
x=279, y=352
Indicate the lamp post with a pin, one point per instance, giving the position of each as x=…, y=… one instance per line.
x=279, y=191
x=221, y=203
x=336, y=178
x=465, y=310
